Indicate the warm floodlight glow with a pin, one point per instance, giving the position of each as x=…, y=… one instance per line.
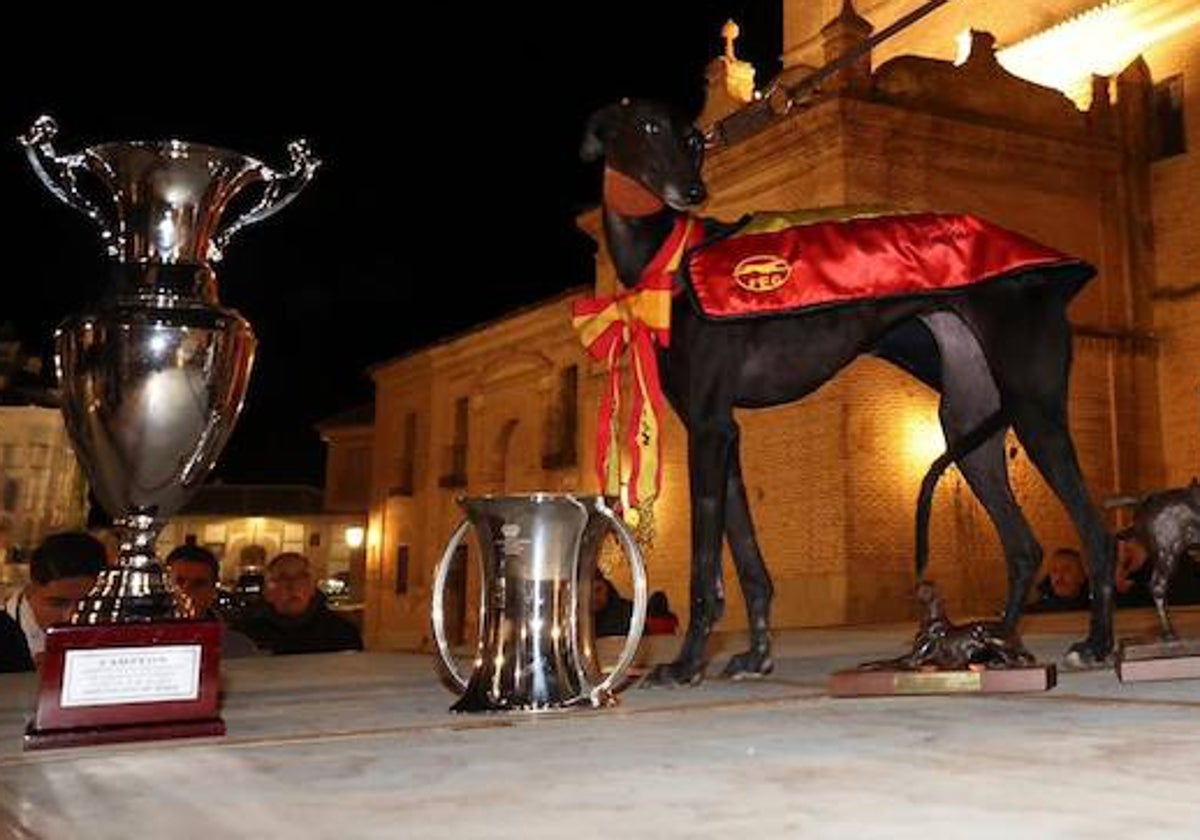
x=1101, y=41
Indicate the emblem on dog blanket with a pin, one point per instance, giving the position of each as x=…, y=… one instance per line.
x=778, y=263
x=762, y=273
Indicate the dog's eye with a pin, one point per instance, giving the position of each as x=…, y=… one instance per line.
x=651, y=127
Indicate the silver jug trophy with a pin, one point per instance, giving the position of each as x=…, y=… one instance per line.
x=153, y=375
x=536, y=646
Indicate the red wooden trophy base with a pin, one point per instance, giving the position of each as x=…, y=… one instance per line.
x=880, y=683
x=1144, y=661
x=111, y=683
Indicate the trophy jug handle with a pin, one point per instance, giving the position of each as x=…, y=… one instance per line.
x=601, y=694
x=449, y=666
x=57, y=172
x=282, y=189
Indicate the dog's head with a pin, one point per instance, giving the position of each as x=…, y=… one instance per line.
x=653, y=145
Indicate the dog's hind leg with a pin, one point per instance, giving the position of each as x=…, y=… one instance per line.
x=969, y=396
x=1031, y=353
x=1046, y=439
x=1164, y=563
x=752, y=574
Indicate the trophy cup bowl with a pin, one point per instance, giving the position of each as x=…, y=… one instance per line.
x=153, y=376
x=150, y=395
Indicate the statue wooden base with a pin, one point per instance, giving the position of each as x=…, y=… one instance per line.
x=1140, y=660
x=894, y=682
x=111, y=683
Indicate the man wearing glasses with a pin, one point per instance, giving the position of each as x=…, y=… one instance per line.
x=294, y=617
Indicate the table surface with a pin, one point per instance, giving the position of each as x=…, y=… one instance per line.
x=363, y=745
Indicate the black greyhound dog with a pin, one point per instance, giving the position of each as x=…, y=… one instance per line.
x=999, y=353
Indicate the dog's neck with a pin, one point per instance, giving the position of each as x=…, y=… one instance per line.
x=636, y=224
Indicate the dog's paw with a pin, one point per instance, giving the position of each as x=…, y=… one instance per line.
x=1084, y=656
x=748, y=665
x=673, y=674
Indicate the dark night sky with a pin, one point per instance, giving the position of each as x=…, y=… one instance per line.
x=437, y=141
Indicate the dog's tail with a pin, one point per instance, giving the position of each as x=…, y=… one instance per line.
x=962, y=447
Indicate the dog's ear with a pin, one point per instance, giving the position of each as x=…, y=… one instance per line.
x=600, y=128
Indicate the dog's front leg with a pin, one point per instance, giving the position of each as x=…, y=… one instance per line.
x=752, y=575
x=709, y=449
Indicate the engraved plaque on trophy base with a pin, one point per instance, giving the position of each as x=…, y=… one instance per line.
x=111, y=683
x=878, y=683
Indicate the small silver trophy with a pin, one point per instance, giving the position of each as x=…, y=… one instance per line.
x=536, y=648
x=153, y=375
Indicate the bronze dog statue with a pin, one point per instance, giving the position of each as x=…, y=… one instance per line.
x=1167, y=525
x=942, y=645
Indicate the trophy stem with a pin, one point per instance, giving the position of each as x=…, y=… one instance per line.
x=136, y=590
x=136, y=535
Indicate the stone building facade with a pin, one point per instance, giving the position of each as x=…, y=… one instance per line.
x=42, y=487
x=932, y=120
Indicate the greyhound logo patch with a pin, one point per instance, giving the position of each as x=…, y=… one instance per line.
x=762, y=273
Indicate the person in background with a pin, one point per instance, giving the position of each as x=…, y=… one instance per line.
x=660, y=621
x=1064, y=584
x=61, y=571
x=612, y=613
x=293, y=617
x=195, y=571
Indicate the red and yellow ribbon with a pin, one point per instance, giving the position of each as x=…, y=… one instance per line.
x=635, y=322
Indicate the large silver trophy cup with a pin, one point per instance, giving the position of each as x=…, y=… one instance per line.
x=153, y=375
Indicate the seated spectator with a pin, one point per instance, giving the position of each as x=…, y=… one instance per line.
x=1064, y=585
x=195, y=571
x=62, y=570
x=293, y=617
x=611, y=612
x=659, y=618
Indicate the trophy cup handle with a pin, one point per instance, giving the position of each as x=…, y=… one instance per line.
x=282, y=189
x=601, y=694
x=438, y=614
x=57, y=172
